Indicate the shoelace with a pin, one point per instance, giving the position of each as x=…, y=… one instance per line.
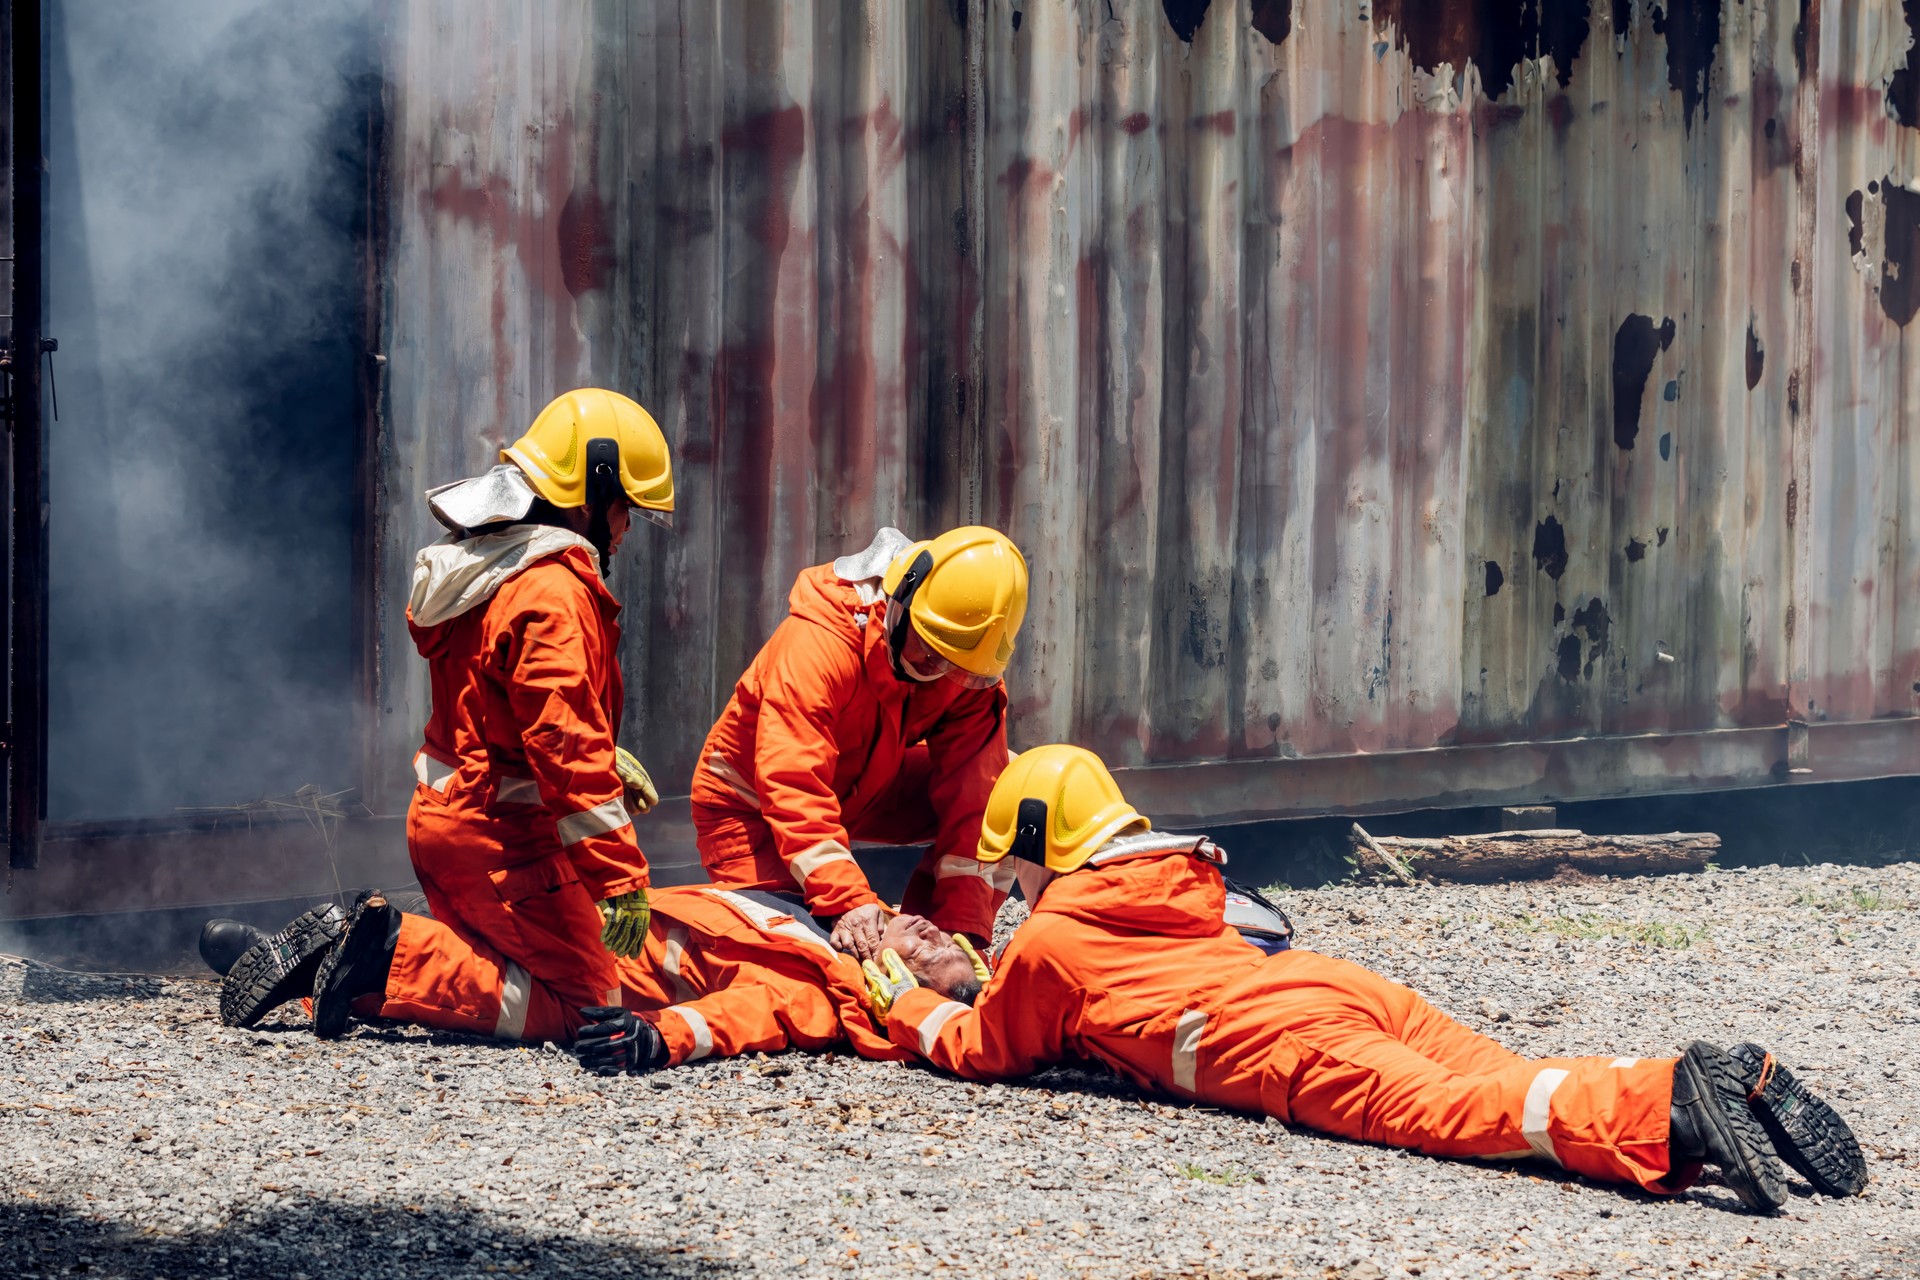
x=1766, y=1078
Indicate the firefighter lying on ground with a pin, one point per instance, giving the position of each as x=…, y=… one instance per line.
x=875, y=712
x=722, y=972
x=519, y=829
x=1125, y=961
x=729, y=971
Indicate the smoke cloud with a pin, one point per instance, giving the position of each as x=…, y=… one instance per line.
x=206, y=167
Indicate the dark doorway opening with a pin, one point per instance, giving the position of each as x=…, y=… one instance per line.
x=208, y=165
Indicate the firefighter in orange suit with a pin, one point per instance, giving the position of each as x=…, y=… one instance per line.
x=1125, y=959
x=732, y=971
x=519, y=828
x=875, y=712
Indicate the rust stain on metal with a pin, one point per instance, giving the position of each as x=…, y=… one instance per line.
x=1277, y=335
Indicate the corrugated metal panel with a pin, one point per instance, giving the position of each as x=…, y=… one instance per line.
x=1358, y=378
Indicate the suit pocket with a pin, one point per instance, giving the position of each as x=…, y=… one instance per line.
x=531, y=881
x=555, y=925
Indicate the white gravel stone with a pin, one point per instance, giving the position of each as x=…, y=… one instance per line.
x=138, y=1137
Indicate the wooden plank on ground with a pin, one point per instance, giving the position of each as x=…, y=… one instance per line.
x=1527, y=855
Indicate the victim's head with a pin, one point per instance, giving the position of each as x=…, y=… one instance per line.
x=932, y=956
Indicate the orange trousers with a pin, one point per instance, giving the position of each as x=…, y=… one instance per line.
x=737, y=849
x=713, y=997
x=1338, y=1048
x=513, y=949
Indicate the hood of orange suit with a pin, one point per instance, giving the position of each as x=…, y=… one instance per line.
x=1174, y=894
x=845, y=596
x=456, y=575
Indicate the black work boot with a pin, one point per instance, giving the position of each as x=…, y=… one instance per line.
x=1807, y=1132
x=222, y=942
x=277, y=968
x=357, y=966
x=1711, y=1123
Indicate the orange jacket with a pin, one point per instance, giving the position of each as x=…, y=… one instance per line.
x=739, y=975
x=527, y=698
x=817, y=728
x=1114, y=965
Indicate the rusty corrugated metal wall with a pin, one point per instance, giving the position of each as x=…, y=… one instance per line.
x=1358, y=377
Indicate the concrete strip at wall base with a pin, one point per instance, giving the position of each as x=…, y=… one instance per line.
x=106, y=868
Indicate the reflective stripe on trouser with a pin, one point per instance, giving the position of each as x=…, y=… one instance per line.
x=746, y=1002
x=511, y=951
x=1342, y=1050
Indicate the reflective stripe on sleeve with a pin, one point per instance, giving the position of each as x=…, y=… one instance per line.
x=510, y=790
x=696, y=1023
x=723, y=769
x=597, y=821
x=1537, y=1110
x=998, y=874
x=938, y=1017
x=810, y=860
x=1186, y=1049
x=432, y=772
x=1624, y=1062
x=676, y=952
x=516, y=992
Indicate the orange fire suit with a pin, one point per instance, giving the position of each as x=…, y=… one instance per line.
x=1128, y=964
x=517, y=827
x=727, y=972
x=822, y=745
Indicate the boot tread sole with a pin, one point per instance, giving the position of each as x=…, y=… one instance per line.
x=1756, y=1177
x=1807, y=1132
x=331, y=1011
x=278, y=969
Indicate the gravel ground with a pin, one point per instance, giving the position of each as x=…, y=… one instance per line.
x=139, y=1137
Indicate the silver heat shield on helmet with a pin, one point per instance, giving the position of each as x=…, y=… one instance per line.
x=499, y=494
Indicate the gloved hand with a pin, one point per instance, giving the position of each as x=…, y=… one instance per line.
x=640, y=794
x=858, y=932
x=615, y=1042
x=625, y=923
x=980, y=967
x=885, y=981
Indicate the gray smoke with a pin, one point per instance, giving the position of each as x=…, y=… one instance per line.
x=206, y=168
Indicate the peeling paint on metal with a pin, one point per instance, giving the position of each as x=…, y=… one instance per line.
x=1272, y=331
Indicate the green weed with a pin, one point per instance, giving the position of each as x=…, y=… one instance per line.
x=1671, y=935
x=1228, y=1177
x=1853, y=900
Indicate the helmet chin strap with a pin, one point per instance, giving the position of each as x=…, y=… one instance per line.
x=900, y=610
x=603, y=490
x=600, y=534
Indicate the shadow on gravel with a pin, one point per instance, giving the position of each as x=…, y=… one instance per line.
x=1709, y=1191
x=40, y=985
x=318, y=1238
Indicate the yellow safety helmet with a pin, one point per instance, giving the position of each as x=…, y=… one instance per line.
x=592, y=446
x=1054, y=806
x=965, y=594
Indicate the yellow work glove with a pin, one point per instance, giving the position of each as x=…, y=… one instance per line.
x=885, y=981
x=640, y=795
x=980, y=969
x=625, y=923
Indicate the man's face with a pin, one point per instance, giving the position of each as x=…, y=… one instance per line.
x=918, y=660
x=930, y=955
x=619, y=520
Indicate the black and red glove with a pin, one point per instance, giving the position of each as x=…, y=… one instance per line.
x=616, y=1043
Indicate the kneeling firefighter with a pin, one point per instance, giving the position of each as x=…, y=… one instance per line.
x=876, y=712
x=519, y=827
